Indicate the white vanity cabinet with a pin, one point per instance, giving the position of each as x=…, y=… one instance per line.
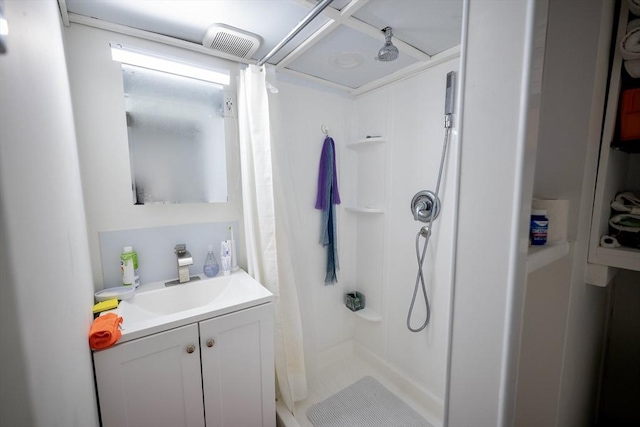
x=216, y=372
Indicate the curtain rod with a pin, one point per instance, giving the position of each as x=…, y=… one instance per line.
x=312, y=14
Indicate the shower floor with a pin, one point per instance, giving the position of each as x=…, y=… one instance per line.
x=343, y=366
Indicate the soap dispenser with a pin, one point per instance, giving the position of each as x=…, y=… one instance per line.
x=211, y=267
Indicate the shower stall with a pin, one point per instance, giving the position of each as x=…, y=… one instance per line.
x=389, y=147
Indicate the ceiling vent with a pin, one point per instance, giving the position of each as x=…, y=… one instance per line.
x=230, y=40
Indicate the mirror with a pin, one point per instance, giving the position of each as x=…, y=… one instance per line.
x=176, y=131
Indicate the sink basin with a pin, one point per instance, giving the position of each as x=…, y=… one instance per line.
x=186, y=296
x=156, y=308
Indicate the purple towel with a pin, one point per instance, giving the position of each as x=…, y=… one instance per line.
x=328, y=196
x=327, y=176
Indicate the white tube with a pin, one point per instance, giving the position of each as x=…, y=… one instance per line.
x=234, y=256
x=225, y=256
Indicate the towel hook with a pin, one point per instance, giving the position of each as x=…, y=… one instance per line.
x=325, y=129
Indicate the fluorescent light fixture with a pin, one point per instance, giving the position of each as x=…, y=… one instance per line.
x=146, y=60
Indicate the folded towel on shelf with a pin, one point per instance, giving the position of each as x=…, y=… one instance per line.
x=633, y=68
x=626, y=222
x=105, y=331
x=634, y=7
x=627, y=202
x=633, y=24
x=630, y=45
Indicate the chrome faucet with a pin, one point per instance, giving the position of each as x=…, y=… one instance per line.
x=184, y=261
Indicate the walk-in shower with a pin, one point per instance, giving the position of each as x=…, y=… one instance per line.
x=425, y=207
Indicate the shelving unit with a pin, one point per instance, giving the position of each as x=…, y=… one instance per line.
x=541, y=256
x=367, y=314
x=367, y=206
x=366, y=142
x=615, y=174
x=364, y=210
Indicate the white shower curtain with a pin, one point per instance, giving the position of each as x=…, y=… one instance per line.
x=268, y=249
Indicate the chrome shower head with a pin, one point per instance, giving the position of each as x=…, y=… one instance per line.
x=388, y=52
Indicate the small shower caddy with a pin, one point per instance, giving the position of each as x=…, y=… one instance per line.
x=354, y=300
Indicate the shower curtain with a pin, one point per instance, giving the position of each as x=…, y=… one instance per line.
x=265, y=222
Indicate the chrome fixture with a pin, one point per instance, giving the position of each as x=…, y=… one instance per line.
x=305, y=21
x=425, y=207
x=388, y=52
x=184, y=261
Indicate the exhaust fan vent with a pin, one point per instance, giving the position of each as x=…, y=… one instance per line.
x=230, y=40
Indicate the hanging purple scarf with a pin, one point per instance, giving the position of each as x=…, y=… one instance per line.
x=329, y=196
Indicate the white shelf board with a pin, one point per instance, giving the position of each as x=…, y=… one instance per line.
x=540, y=256
x=627, y=258
x=367, y=314
x=366, y=142
x=357, y=209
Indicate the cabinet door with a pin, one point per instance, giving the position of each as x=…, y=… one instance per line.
x=238, y=369
x=153, y=381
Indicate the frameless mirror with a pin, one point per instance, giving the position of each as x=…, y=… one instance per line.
x=176, y=130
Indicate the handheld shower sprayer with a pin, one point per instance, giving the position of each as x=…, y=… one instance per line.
x=425, y=207
x=448, y=102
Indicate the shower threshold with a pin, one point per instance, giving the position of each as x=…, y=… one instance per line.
x=347, y=363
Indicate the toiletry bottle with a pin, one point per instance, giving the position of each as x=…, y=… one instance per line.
x=129, y=267
x=225, y=256
x=234, y=256
x=211, y=267
x=539, y=227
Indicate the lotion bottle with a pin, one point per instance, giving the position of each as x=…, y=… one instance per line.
x=211, y=267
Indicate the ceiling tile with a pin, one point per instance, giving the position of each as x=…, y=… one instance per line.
x=317, y=60
x=188, y=19
x=429, y=25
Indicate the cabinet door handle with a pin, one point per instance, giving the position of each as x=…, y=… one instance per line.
x=210, y=343
x=191, y=349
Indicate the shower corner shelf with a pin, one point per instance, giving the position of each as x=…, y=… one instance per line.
x=364, y=210
x=541, y=256
x=367, y=314
x=366, y=142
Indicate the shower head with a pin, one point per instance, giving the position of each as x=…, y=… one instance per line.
x=388, y=52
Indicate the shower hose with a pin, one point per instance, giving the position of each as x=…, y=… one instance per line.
x=425, y=232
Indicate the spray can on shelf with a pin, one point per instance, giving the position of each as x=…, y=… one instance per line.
x=129, y=267
x=539, y=227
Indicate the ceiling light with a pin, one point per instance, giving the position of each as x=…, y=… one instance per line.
x=153, y=62
x=4, y=27
x=347, y=59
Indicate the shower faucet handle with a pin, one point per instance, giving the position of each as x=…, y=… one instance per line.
x=424, y=206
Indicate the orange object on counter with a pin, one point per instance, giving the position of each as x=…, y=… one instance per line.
x=630, y=115
x=105, y=331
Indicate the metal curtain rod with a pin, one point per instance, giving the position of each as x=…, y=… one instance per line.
x=312, y=14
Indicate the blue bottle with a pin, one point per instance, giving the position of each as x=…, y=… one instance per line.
x=539, y=226
x=211, y=267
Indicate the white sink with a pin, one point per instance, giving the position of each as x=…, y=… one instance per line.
x=186, y=296
x=155, y=307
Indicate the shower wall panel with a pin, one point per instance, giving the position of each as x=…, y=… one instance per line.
x=377, y=250
x=410, y=115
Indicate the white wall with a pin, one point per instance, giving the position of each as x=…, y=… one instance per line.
x=492, y=235
x=410, y=114
x=303, y=110
x=47, y=294
x=376, y=252
x=97, y=91
x=571, y=31
x=564, y=317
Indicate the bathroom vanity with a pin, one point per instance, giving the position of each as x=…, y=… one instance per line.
x=195, y=354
